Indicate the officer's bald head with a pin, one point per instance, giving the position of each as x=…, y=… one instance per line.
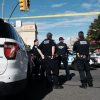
x=81, y=35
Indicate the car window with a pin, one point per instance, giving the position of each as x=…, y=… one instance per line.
x=14, y=33
x=17, y=37
x=98, y=54
x=5, y=31
x=8, y=31
x=22, y=42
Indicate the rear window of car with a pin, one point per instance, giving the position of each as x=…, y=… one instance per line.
x=5, y=31
x=8, y=31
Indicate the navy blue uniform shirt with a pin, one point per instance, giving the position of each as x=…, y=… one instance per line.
x=62, y=48
x=46, y=47
x=81, y=47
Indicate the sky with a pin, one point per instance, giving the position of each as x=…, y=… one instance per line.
x=60, y=26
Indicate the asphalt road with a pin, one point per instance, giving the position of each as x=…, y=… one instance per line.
x=38, y=89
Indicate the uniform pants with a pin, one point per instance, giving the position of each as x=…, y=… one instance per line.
x=65, y=62
x=36, y=67
x=52, y=70
x=42, y=69
x=84, y=70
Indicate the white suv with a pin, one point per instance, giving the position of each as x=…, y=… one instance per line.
x=13, y=58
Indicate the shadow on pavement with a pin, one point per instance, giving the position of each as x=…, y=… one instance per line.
x=96, y=66
x=63, y=78
x=79, y=86
x=36, y=90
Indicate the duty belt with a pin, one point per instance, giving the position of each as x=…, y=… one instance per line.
x=63, y=55
x=81, y=55
x=49, y=56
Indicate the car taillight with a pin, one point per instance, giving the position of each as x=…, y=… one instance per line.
x=10, y=50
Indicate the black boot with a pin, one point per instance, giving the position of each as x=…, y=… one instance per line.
x=69, y=77
x=57, y=87
x=90, y=83
x=83, y=85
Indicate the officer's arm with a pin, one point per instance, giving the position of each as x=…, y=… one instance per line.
x=74, y=47
x=67, y=51
x=40, y=52
x=53, y=50
x=40, y=46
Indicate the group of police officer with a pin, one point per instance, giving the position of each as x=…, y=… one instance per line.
x=50, y=55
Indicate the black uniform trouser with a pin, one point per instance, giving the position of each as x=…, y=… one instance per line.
x=36, y=67
x=51, y=70
x=64, y=60
x=42, y=69
x=84, y=70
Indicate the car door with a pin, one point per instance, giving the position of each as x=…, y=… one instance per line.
x=23, y=54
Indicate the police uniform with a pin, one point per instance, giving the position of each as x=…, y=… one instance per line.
x=81, y=47
x=62, y=52
x=50, y=64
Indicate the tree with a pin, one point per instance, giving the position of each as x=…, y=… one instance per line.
x=93, y=34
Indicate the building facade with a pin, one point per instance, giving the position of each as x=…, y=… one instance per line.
x=28, y=32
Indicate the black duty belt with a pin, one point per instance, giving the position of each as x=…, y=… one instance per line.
x=49, y=56
x=62, y=55
x=81, y=55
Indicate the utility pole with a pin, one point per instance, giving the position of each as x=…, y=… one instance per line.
x=2, y=8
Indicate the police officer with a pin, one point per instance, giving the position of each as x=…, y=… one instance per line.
x=81, y=47
x=48, y=48
x=62, y=52
x=37, y=54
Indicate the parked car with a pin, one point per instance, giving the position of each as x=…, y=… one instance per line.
x=96, y=57
x=70, y=58
x=14, y=61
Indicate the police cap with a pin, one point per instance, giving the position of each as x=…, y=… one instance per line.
x=61, y=38
x=81, y=33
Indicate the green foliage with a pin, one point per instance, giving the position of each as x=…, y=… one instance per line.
x=93, y=34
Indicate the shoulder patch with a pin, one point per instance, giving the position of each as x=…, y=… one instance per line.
x=60, y=47
x=83, y=42
x=46, y=42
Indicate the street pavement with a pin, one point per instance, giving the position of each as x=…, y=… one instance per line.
x=38, y=90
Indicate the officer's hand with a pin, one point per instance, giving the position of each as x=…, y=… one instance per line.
x=52, y=57
x=42, y=56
